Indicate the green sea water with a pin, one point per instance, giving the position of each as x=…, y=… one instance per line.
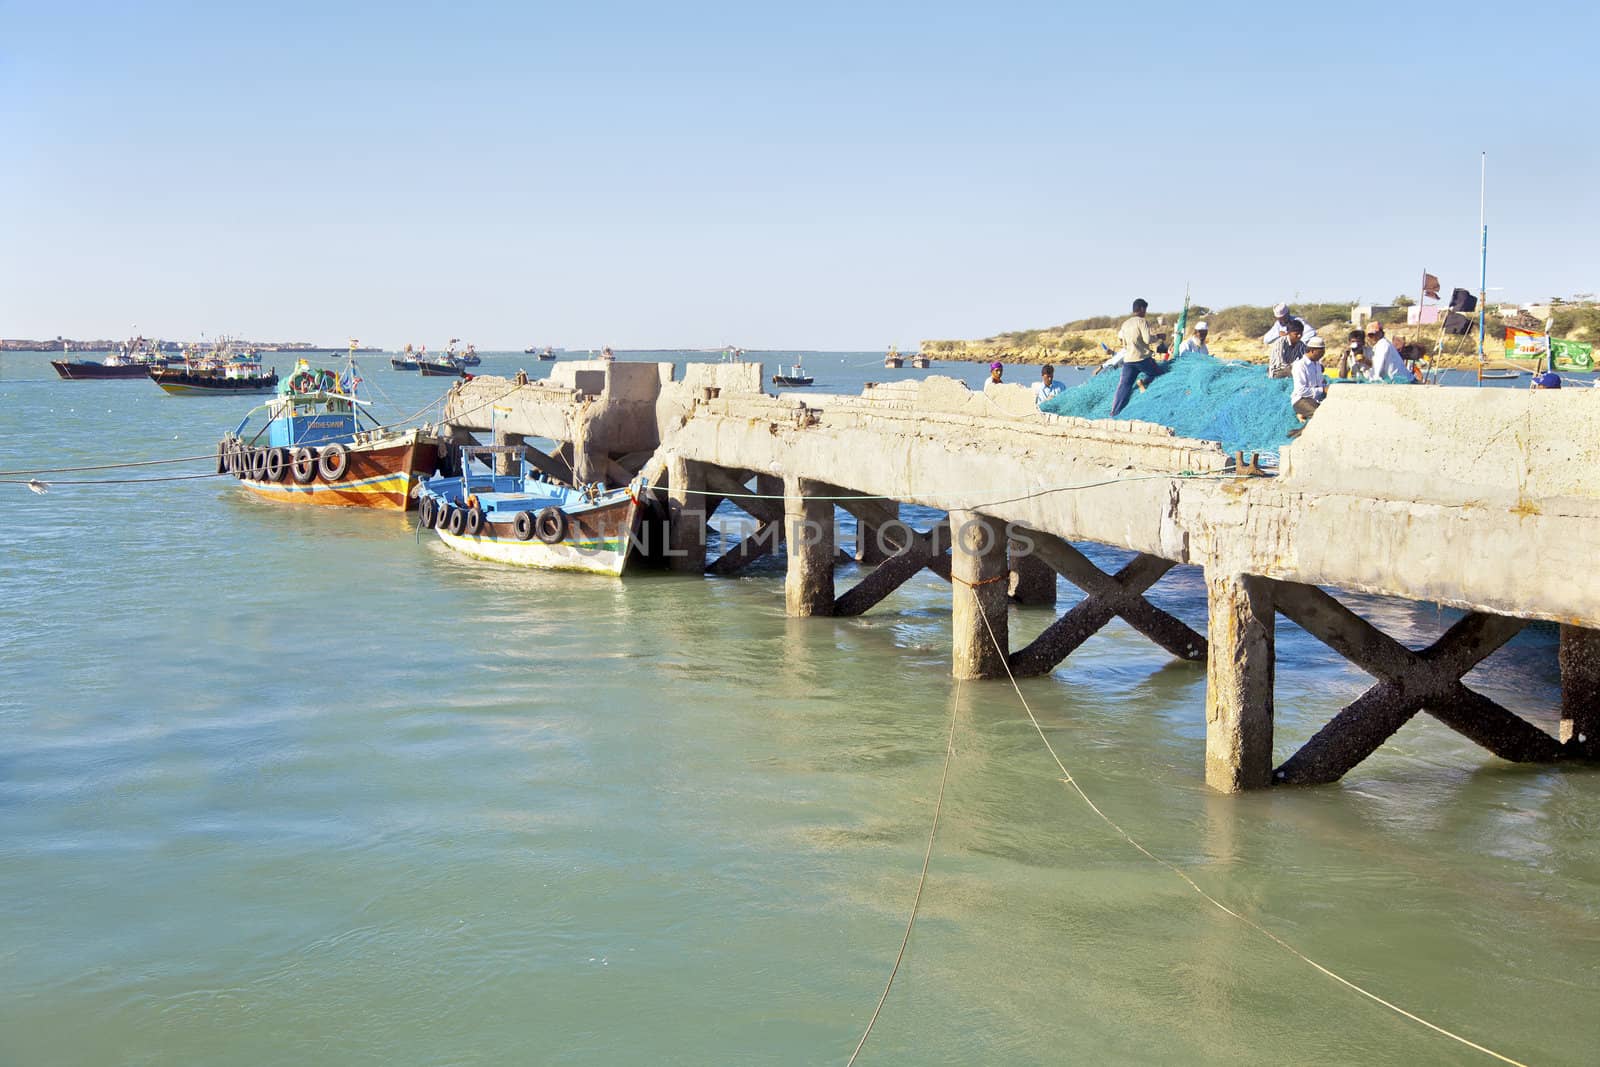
x=284, y=786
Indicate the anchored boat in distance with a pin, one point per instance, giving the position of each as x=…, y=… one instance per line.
x=220, y=372
x=528, y=520
x=133, y=360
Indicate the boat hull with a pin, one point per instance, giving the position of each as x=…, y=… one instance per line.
x=791, y=380
x=188, y=383
x=376, y=476
x=74, y=371
x=399, y=363
x=433, y=370
x=597, y=541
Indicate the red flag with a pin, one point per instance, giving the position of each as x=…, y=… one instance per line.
x=1430, y=285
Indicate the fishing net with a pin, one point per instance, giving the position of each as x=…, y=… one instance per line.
x=1197, y=396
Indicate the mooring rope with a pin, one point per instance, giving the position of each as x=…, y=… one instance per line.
x=922, y=879
x=1067, y=777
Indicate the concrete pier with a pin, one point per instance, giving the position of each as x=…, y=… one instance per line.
x=1387, y=492
x=809, y=538
x=979, y=621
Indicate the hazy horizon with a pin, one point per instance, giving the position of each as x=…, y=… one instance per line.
x=842, y=178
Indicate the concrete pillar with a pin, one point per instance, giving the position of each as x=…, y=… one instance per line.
x=1239, y=668
x=1580, y=687
x=505, y=463
x=1032, y=582
x=808, y=536
x=872, y=545
x=686, y=517
x=978, y=619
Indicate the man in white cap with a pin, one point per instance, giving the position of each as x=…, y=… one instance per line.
x=1283, y=314
x=1387, y=366
x=1197, y=343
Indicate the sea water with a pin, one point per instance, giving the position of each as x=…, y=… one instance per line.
x=285, y=786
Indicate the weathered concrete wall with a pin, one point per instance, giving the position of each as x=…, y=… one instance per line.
x=1114, y=483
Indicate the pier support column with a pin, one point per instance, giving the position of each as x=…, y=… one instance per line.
x=506, y=463
x=809, y=538
x=1580, y=688
x=1032, y=581
x=873, y=544
x=686, y=517
x=979, y=623
x=1239, y=667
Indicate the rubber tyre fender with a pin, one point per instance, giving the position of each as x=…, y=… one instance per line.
x=427, y=511
x=333, y=462
x=277, y=464
x=303, y=465
x=441, y=518
x=522, y=526
x=258, y=464
x=458, y=521
x=222, y=457
x=473, y=522
x=550, y=525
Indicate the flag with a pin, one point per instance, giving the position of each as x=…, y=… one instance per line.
x=1183, y=324
x=1524, y=344
x=1572, y=355
x=1430, y=285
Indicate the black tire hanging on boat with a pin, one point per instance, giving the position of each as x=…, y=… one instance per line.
x=303, y=465
x=441, y=518
x=427, y=511
x=474, y=521
x=258, y=464
x=333, y=462
x=222, y=457
x=277, y=464
x=550, y=525
x=458, y=521
x=522, y=526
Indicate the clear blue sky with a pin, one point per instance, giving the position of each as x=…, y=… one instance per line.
x=804, y=175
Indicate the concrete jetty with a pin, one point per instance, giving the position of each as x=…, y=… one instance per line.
x=1482, y=500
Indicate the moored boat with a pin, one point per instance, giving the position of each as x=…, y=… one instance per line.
x=921, y=362
x=470, y=357
x=548, y=354
x=133, y=360
x=892, y=359
x=406, y=360
x=318, y=446
x=221, y=372
x=440, y=367
x=526, y=520
x=793, y=376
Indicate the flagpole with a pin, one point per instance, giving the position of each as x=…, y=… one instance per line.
x=1483, y=268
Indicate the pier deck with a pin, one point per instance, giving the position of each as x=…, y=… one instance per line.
x=1483, y=500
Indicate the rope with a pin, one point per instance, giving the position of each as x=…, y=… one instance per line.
x=1067, y=777
x=52, y=483
x=922, y=879
x=1191, y=476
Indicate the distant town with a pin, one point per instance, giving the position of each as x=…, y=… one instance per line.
x=68, y=344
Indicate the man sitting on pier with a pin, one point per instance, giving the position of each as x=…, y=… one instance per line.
x=1284, y=351
x=1387, y=366
x=1283, y=315
x=1046, y=388
x=1310, y=384
x=1197, y=343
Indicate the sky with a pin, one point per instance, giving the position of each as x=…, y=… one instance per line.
x=820, y=175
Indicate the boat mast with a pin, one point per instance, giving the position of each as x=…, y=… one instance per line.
x=1483, y=267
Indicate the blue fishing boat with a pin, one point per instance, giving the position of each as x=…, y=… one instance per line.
x=318, y=445
x=528, y=520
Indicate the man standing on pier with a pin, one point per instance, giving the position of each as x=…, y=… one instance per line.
x=1282, y=353
x=1134, y=355
x=1046, y=388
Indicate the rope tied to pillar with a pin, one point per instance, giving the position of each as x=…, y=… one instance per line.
x=1068, y=779
x=980, y=581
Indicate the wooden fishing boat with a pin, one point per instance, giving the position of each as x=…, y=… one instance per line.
x=547, y=355
x=527, y=520
x=921, y=362
x=793, y=376
x=892, y=359
x=406, y=360
x=318, y=446
x=133, y=360
x=441, y=367
x=219, y=373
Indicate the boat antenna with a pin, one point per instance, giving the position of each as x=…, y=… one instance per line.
x=1483, y=262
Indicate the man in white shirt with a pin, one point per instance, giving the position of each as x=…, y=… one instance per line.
x=1197, y=343
x=1387, y=366
x=1310, y=384
x=1285, y=316
x=1046, y=388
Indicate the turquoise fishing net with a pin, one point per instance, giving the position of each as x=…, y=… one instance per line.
x=1198, y=396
